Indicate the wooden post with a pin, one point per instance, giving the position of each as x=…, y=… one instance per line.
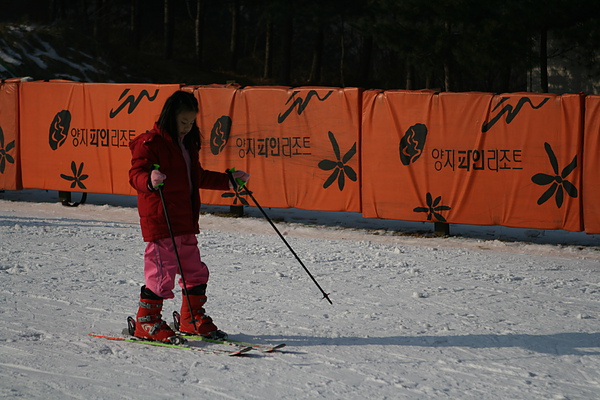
x=441, y=229
x=64, y=197
x=237, y=211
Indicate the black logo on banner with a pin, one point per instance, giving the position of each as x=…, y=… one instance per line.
x=412, y=143
x=132, y=101
x=219, y=135
x=4, y=156
x=59, y=129
x=510, y=112
x=339, y=165
x=557, y=181
x=78, y=176
x=300, y=103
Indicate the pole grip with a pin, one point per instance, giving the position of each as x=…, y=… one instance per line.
x=156, y=167
x=238, y=183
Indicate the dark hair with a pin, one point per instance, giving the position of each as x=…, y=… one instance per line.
x=178, y=102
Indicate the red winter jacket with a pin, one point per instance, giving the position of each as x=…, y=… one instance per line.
x=183, y=204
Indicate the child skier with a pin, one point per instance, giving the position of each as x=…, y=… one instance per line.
x=167, y=156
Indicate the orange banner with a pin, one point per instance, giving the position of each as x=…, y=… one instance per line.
x=473, y=158
x=300, y=145
x=466, y=158
x=591, y=165
x=75, y=136
x=10, y=163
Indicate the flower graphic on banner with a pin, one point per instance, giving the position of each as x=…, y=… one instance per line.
x=433, y=208
x=339, y=167
x=238, y=196
x=4, y=156
x=557, y=181
x=77, y=177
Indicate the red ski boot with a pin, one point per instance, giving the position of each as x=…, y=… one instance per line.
x=201, y=324
x=149, y=323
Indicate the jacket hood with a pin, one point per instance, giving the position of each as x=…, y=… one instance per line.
x=148, y=136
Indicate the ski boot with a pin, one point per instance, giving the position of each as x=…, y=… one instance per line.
x=197, y=322
x=148, y=323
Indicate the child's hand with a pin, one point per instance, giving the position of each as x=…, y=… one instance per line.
x=157, y=178
x=244, y=176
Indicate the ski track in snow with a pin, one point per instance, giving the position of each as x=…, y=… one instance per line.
x=412, y=318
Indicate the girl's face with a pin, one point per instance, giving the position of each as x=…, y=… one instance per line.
x=185, y=121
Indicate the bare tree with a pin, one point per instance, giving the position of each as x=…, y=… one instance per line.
x=134, y=24
x=287, y=36
x=233, y=43
x=365, y=59
x=168, y=29
x=544, y=59
x=317, y=62
x=268, y=68
x=100, y=18
x=342, y=53
x=199, y=31
x=57, y=10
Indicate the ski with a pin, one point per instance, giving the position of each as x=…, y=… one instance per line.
x=265, y=348
x=185, y=346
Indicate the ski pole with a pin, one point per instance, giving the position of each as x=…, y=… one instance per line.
x=164, y=204
x=238, y=184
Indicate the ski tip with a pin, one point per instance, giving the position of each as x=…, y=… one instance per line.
x=277, y=347
x=104, y=336
x=241, y=351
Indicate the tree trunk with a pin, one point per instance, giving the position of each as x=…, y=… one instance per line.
x=233, y=44
x=199, y=32
x=100, y=30
x=57, y=11
x=268, y=70
x=134, y=26
x=448, y=58
x=447, y=79
x=317, y=62
x=409, y=74
x=168, y=29
x=342, y=54
x=285, y=72
x=544, y=59
x=365, y=61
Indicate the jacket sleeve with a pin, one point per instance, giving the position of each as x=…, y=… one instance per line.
x=213, y=180
x=142, y=159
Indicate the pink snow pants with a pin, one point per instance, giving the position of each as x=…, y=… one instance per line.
x=160, y=265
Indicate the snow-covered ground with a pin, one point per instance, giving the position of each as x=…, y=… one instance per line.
x=494, y=313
